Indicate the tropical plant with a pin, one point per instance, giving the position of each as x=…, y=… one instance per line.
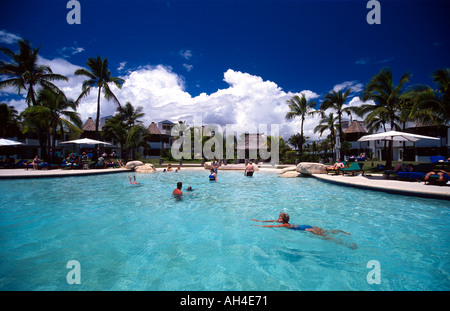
x=99, y=76
x=130, y=115
x=9, y=121
x=433, y=106
x=24, y=72
x=300, y=107
x=53, y=111
x=388, y=98
x=336, y=100
x=122, y=129
x=328, y=123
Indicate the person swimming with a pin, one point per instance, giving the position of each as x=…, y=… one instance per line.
x=284, y=218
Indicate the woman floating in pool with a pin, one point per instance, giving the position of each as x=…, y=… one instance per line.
x=284, y=220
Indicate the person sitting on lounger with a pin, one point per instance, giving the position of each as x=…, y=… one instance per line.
x=336, y=165
x=403, y=167
x=35, y=162
x=441, y=174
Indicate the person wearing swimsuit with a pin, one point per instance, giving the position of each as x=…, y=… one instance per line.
x=284, y=218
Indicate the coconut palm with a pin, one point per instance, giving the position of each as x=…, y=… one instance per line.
x=328, y=123
x=336, y=100
x=24, y=72
x=99, y=76
x=433, y=105
x=9, y=120
x=54, y=111
x=300, y=107
x=388, y=98
x=130, y=115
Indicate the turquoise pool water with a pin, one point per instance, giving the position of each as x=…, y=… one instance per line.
x=128, y=237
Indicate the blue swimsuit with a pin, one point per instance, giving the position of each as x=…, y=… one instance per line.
x=211, y=177
x=302, y=227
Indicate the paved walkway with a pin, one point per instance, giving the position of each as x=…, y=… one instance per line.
x=375, y=182
x=379, y=183
x=22, y=173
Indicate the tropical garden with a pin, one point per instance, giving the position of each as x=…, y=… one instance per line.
x=50, y=114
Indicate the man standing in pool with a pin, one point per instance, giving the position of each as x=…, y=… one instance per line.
x=283, y=218
x=177, y=192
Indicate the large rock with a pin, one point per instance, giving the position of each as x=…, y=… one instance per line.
x=207, y=165
x=132, y=164
x=290, y=174
x=146, y=168
x=288, y=169
x=309, y=168
x=255, y=167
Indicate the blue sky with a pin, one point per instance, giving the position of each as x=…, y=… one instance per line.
x=231, y=61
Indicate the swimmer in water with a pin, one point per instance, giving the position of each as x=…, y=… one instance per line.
x=177, y=192
x=212, y=175
x=283, y=218
x=133, y=182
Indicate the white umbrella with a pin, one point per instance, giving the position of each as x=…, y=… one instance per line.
x=86, y=141
x=397, y=136
x=7, y=142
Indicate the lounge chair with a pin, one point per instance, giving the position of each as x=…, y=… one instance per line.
x=337, y=170
x=434, y=179
x=411, y=176
x=19, y=164
x=355, y=167
x=388, y=173
x=435, y=159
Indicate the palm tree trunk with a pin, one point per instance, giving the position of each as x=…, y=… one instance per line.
x=97, y=121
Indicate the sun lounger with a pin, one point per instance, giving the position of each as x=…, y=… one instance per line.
x=434, y=179
x=435, y=159
x=337, y=170
x=390, y=173
x=354, y=168
x=411, y=176
x=19, y=164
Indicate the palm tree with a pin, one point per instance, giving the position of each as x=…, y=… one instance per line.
x=137, y=137
x=300, y=107
x=388, y=99
x=9, y=120
x=130, y=115
x=99, y=76
x=24, y=72
x=436, y=103
x=336, y=100
x=53, y=111
x=62, y=113
x=328, y=123
x=124, y=130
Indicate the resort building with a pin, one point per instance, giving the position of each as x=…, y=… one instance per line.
x=419, y=151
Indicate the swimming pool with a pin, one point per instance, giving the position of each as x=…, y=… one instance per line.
x=128, y=237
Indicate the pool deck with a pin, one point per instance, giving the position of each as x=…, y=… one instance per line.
x=374, y=182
